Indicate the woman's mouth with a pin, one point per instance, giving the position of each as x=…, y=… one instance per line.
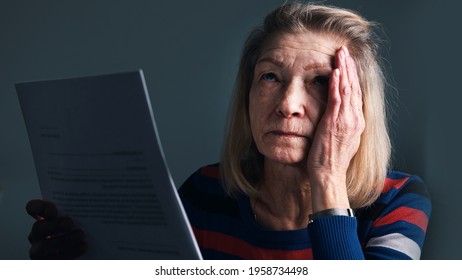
x=288, y=134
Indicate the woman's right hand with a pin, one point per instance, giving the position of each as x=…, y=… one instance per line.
x=53, y=236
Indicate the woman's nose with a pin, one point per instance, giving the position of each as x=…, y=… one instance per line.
x=291, y=103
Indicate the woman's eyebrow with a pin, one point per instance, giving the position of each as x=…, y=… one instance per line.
x=312, y=66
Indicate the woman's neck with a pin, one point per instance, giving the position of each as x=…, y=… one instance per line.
x=284, y=200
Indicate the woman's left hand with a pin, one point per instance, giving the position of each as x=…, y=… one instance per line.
x=337, y=136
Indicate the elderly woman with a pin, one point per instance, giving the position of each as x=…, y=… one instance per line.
x=303, y=173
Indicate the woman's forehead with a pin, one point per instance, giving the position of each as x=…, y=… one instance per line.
x=302, y=41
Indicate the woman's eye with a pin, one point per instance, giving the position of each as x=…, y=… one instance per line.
x=321, y=80
x=269, y=77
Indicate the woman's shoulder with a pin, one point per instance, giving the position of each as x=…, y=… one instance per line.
x=404, y=196
x=203, y=191
x=206, y=179
x=395, y=224
x=398, y=183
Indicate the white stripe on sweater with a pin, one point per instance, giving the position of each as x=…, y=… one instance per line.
x=397, y=242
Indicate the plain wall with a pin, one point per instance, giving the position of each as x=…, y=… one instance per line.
x=189, y=52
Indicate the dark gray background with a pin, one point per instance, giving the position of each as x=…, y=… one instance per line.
x=189, y=52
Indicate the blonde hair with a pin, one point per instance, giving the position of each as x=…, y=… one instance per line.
x=241, y=163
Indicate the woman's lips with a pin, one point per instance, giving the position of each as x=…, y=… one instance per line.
x=288, y=134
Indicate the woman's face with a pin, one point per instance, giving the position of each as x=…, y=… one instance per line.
x=289, y=94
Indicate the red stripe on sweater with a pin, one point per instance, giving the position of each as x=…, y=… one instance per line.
x=236, y=247
x=211, y=171
x=393, y=183
x=403, y=213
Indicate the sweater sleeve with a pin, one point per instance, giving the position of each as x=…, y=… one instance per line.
x=335, y=238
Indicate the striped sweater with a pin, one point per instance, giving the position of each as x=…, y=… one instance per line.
x=391, y=228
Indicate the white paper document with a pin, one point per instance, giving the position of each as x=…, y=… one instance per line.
x=99, y=159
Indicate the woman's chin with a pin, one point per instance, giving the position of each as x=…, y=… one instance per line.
x=286, y=155
x=287, y=158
